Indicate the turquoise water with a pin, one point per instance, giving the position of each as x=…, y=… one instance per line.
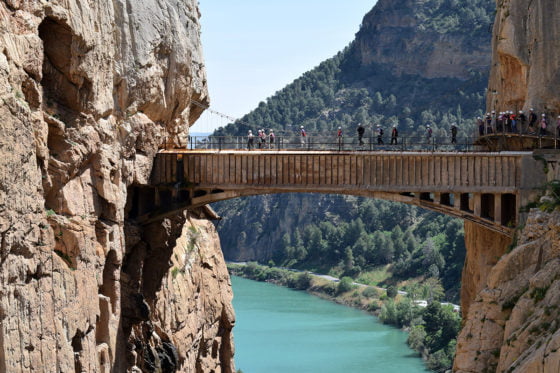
x=279, y=330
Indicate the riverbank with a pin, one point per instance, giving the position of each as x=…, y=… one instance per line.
x=432, y=330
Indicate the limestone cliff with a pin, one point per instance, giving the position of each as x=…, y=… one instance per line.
x=512, y=325
x=89, y=90
x=431, y=39
x=526, y=56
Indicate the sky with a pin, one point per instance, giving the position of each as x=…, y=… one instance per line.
x=254, y=48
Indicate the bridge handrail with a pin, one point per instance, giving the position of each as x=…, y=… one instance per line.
x=332, y=143
x=349, y=143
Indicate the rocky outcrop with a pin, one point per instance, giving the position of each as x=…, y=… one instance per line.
x=431, y=39
x=512, y=325
x=526, y=57
x=89, y=90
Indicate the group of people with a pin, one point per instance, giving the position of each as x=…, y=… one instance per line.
x=262, y=139
x=395, y=134
x=510, y=122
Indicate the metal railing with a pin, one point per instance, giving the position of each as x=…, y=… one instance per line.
x=330, y=143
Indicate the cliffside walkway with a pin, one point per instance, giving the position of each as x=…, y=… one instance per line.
x=487, y=188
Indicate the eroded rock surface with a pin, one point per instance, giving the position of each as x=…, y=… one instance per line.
x=512, y=325
x=89, y=90
x=526, y=56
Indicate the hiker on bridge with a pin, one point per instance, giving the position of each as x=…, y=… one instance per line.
x=379, y=135
x=480, y=124
x=361, y=130
x=303, y=135
x=271, y=137
x=453, y=134
x=513, y=121
x=339, y=138
x=522, y=121
x=263, y=138
x=394, y=135
x=250, y=140
x=428, y=133
x=544, y=124
x=532, y=121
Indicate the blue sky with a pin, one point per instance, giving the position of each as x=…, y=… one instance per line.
x=253, y=48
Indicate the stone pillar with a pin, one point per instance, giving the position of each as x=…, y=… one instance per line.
x=477, y=204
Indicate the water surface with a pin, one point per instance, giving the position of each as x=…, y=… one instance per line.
x=279, y=330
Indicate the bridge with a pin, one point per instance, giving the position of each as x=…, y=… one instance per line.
x=486, y=188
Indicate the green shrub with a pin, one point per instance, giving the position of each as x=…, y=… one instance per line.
x=344, y=285
x=370, y=292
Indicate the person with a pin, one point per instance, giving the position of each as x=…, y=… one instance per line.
x=259, y=136
x=453, y=134
x=379, y=135
x=303, y=135
x=250, y=140
x=532, y=121
x=558, y=126
x=522, y=121
x=361, y=131
x=394, y=135
x=428, y=133
x=480, y=124
x=263, y=138
x=339, y=138
x=513, y=121
x=271, y=138
x=543, y=125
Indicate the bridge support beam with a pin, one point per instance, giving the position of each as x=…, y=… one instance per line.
x=498, y=209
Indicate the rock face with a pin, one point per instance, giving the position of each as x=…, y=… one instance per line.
x=414, y=37
x=526, y=56
x=484, y=249
x=512, y=325
x=89, y=90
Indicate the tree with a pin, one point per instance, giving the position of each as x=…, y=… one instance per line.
x=344, y=285
x=391, y=291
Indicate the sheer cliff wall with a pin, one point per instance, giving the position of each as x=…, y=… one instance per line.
x=512, y=294
x=89, y=90
x=526, y=57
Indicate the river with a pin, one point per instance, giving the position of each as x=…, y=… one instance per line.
x=279, y=330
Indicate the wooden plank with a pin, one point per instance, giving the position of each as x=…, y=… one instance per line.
x=367, y=171
x=243, y=170
x=484, y=171
x=328, y=169
x=249, y=169
x=464, y=171
x=322, y=170
x=360, y=170
x=499, y=171
x=346, y=170
x=472, y=171
x=491, y=172
x=477, y=171
x=297, y=169
x=273, y=170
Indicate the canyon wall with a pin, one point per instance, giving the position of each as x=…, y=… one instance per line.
x=510, y=322
x=430, y=39
x=89, y=90
x=526, y=57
